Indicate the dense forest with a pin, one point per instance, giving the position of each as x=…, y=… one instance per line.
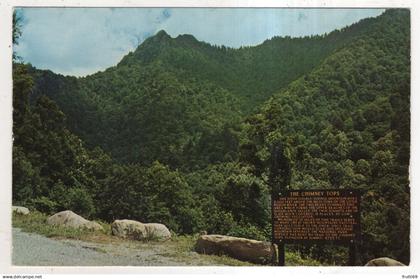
x=180, y=132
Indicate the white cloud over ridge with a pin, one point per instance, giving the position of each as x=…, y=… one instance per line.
x=81, y=41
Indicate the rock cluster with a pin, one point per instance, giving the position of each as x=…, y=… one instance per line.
x=236, y=247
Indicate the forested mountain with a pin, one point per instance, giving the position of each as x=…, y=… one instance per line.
x=180, y=132
x=130, y=110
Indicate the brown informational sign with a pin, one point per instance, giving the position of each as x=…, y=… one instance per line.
x=316, y=215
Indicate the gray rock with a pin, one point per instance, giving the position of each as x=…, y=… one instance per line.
x=384, y=262
x=157, y=231
x=70, y=219
x=20, y=210
x=138, y=231
x=240, y=248
x=129, y=229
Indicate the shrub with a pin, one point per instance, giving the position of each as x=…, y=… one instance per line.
x=43, y=204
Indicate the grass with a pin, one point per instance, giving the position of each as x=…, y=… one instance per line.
x=178, y=248
x=295, y=259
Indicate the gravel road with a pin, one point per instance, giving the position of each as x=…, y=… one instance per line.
x=32, y=249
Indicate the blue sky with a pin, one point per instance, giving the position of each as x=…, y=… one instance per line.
x=82, y=41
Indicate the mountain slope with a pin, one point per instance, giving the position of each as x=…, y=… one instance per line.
x=347, y=125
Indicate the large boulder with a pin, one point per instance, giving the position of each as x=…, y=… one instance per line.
x=20, y=210
x=384, y=262
x=129, y=229
x=70, y=219
x=138, y=231
x=157, y=231
x=240, y=248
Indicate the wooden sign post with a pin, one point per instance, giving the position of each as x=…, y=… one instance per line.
x=314, y=216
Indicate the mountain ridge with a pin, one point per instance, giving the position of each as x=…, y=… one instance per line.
x=247, y=76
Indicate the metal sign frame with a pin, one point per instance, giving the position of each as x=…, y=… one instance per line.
x=351, y=243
